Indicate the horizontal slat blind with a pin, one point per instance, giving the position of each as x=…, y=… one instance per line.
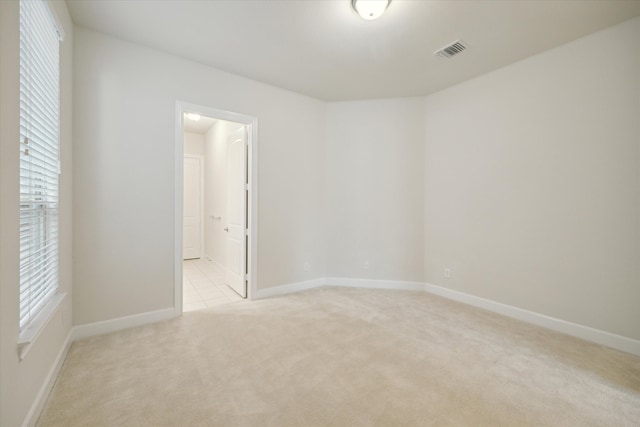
x=39, y=157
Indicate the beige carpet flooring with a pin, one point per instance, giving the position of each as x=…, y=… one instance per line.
x=344, y=357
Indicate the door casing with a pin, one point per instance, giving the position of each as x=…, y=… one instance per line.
x=252, y=200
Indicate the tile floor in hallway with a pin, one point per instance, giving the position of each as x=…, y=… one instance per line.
x=203, y=285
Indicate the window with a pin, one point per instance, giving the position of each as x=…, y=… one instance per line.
x=39, y=158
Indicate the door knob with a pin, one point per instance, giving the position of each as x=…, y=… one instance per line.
x=226, y=229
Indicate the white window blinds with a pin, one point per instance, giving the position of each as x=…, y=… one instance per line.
x=39, y=157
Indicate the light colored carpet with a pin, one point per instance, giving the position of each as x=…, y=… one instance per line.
x=343, y=357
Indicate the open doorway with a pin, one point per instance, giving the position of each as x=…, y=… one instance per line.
x=215, y=207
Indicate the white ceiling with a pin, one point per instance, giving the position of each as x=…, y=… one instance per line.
x=321, y=48
x=198, y=126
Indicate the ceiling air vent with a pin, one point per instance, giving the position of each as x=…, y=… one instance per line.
x=452, y=49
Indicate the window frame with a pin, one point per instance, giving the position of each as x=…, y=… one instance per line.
x=40, y=109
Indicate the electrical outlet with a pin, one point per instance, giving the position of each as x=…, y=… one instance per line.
x=447, y=273
x=365, y=265
x=307, y=266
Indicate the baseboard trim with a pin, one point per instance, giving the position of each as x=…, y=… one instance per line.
x=216, y=262
x=38, y=404
x=106, y=326
x=289, y=288
x=374, y=284
x=84, y=331
x=598, y=336
x=587, y=333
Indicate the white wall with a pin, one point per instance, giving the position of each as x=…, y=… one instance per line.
x=123, y=232
x=375, y=189
x=524, y=182
x=193, y=143
x=21, y=381
x=532, y=183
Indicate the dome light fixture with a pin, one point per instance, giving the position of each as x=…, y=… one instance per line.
x=370, y=9
x=193, y=116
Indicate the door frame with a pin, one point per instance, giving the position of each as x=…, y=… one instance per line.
x=252, y=201
x=201, y=178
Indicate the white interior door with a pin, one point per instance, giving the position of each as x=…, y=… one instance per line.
x=236, y=212
x=192, y=208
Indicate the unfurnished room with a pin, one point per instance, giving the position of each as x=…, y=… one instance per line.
x=319, y=213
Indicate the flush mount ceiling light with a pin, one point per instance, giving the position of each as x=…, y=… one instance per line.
x=370, y=9
x=193, y=116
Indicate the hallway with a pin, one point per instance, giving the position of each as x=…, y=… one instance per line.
x=204, y=285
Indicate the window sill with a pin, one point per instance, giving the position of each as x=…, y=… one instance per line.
x=29, y=335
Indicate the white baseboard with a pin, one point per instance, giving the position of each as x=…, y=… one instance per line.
x=106, y=326
x=84, y=331
x=38, y=404
x=289, y=288
x=374, y=284
x=608, y=339
x=216, y=262
x=598, y=336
